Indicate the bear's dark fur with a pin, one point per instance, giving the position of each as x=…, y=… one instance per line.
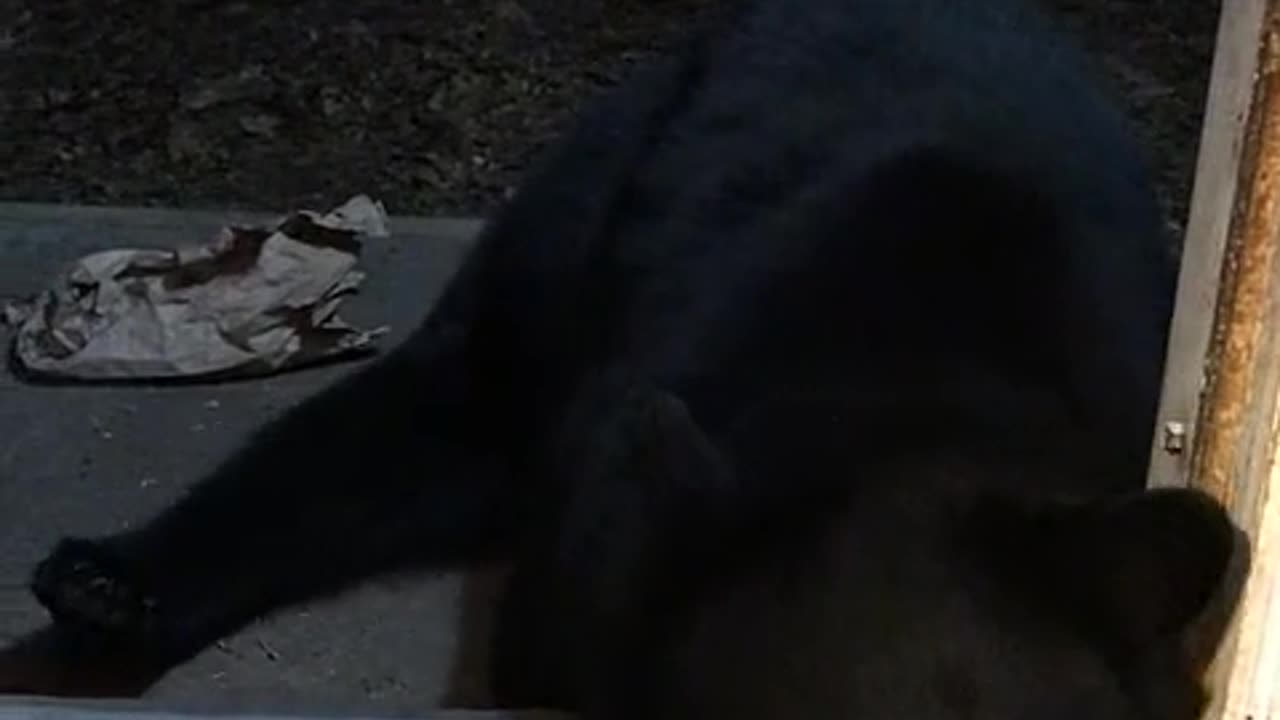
x=812, y=375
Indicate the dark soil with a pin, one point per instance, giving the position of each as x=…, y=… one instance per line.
x=434, y=106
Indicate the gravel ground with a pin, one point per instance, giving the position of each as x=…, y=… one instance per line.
x=435, y=106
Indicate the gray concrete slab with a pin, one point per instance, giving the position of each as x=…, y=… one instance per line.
x=88, y=459
x=37, y=709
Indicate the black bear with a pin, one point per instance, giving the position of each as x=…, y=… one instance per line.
x=811, y=375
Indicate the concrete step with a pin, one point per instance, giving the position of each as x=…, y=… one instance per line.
x=39, y=709
x=89, y=459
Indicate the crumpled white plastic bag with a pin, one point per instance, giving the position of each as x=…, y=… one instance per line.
x=252, y=301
